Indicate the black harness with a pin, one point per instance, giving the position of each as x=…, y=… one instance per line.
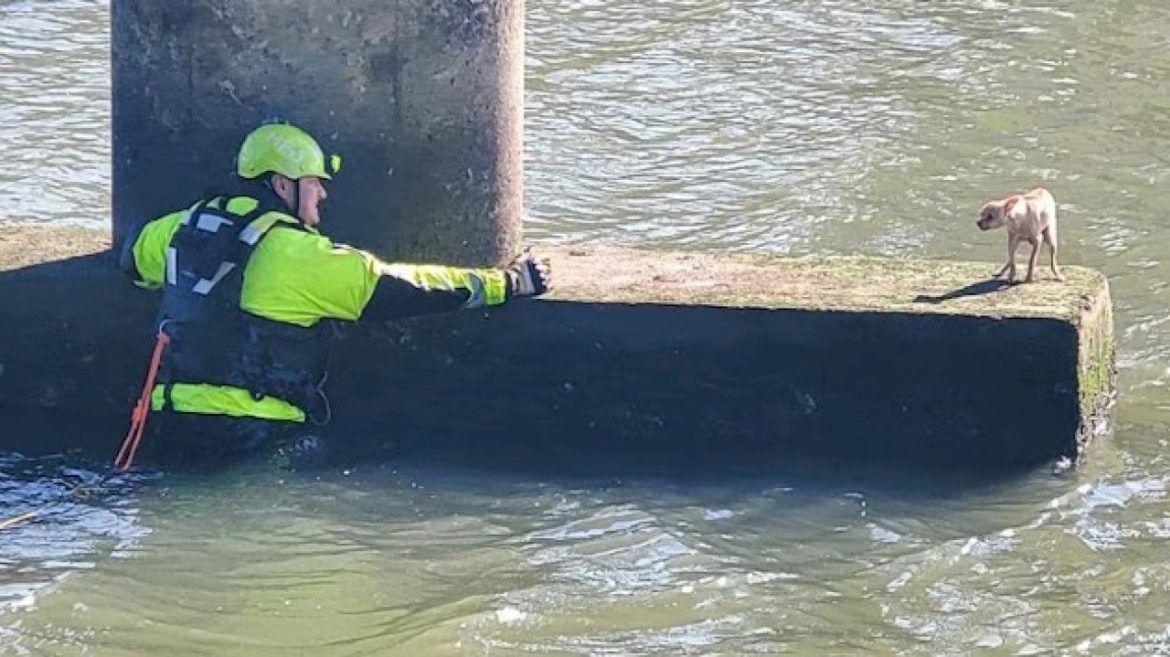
x=212, y=340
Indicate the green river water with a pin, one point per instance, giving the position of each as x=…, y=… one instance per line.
x=788, y=126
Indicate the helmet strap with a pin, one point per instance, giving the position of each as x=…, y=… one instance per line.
x=296, y=207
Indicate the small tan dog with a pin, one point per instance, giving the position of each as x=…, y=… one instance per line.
x=1029, y=218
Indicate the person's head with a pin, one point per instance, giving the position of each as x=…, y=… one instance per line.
x=293, y=165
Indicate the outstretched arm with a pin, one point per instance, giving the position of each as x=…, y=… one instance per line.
x=405, y=290
x=300, y=277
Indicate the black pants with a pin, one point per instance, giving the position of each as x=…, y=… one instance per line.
x=193, y=439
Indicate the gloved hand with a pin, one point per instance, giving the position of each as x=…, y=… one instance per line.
x=528, y=275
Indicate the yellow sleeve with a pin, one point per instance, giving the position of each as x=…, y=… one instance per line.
x=483, y=287
x=300, y=278
x=150, y=250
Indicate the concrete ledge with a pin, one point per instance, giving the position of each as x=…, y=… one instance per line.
x=677, y=353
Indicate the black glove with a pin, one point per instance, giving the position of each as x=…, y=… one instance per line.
x=528, y=275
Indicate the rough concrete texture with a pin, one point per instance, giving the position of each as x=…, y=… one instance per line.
x=422, y=97
x=674, y=352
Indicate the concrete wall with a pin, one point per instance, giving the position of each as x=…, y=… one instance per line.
x=674, y=356
x=422, y=97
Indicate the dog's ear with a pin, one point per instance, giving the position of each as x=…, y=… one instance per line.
x=1009, y=203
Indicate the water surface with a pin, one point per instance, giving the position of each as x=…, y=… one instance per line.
x=789, y=127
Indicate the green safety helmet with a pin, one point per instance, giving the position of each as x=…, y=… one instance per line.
x=284, y=149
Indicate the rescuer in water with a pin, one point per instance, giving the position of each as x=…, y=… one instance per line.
x=249, y=286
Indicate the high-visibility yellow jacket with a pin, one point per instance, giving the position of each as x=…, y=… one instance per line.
x=269, y=359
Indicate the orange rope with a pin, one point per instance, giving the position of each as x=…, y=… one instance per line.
x=16, y=520
x=125, y=457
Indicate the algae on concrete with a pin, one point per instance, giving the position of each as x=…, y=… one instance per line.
x=838, y=283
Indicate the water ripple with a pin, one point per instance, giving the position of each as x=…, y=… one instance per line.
x=793, y=127
x=55, y=112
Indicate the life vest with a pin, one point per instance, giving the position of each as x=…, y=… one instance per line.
x=213, y=341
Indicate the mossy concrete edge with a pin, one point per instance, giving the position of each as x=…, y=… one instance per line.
x=1096, y=367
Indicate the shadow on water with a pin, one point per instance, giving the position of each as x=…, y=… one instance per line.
x=62, y=513
x=535, y=458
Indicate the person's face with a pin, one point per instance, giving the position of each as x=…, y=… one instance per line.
x=312, y=192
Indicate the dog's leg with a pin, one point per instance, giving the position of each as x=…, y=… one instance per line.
x=1032, y=259
x=1010, y=266
x=1050, y=239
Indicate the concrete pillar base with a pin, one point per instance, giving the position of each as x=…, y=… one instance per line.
x=424, y=99
x=910, y=361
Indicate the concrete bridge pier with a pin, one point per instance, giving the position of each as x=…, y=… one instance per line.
x=423, y=98
x=677, y=354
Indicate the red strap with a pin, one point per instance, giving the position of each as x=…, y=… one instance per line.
x=125, y=457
